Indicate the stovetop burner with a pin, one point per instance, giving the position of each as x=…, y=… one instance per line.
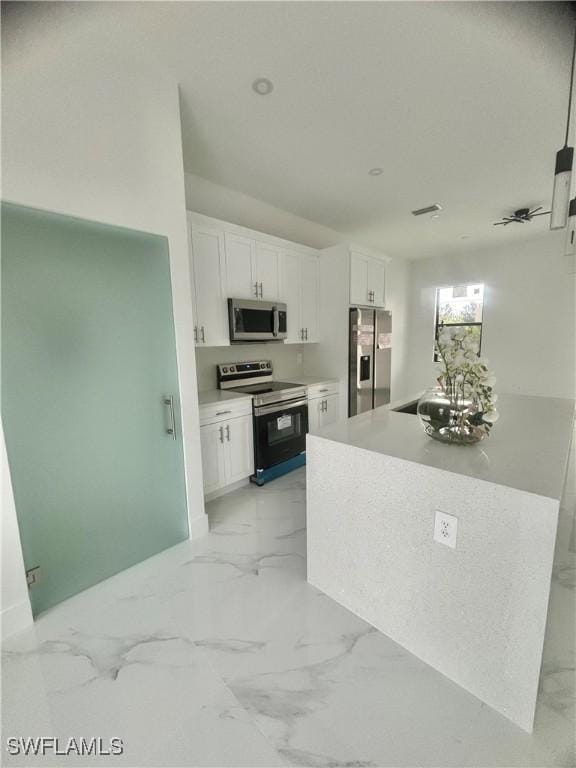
x=269, y=386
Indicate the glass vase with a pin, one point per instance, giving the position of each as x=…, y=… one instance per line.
x=451, y=419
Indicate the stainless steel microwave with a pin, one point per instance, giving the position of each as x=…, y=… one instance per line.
x=251, y=320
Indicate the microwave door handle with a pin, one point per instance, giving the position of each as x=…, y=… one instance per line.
x=276, y=315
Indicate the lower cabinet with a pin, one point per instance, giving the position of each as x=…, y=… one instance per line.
x=322, y=411
x=227, y=452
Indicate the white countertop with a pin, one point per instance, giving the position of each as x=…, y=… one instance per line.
x=309, y=381
x=211, y=396
x=527, y=448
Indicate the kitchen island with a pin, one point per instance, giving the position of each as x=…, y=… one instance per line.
x=476, y=611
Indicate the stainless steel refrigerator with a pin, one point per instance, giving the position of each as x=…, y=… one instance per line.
x=370, y=355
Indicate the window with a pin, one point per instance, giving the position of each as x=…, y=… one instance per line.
x=460, y=306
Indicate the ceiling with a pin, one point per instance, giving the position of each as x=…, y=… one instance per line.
x=460, y=103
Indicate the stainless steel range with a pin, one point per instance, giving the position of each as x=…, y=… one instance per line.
x=280, y=411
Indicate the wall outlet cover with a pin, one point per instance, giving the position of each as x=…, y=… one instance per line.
x=445, y=528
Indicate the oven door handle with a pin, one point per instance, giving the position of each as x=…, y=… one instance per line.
x=279, y=407
x=276, y=316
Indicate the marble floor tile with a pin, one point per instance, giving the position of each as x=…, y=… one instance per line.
x=218, y=652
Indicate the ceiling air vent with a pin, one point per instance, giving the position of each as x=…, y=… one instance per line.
x=429, y=209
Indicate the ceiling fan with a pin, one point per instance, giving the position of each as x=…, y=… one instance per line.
x=522, y=215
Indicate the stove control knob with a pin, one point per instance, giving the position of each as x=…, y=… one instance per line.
x=269, y=365
x=224, y=370
x=262, y=365
x=232, y=369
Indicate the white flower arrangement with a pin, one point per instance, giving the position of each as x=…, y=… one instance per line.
x=464, y=376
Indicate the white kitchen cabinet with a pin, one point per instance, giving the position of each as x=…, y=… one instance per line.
x=358, y=279
x=322, y=411
x=230, y=261
x=252, y=268
x=210, y=309
x=227, y=447
x=239, y=449
x=323, y=405
x=310, y=277
x=213, y=459
x=367, y=280
x=266, y=270
x=239, y=260
x=330, y=411
x=292, y=295
x=376, y=281
x=300, y=281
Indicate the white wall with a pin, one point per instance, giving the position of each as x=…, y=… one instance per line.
x=397, y=298
x=92, y=129
x=528, y=331
x=211, y=199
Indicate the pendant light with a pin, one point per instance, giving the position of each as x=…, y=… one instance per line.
x=563, y=171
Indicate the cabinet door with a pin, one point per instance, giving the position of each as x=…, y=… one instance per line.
x=267, y=270
x=314, y=408
x=330, y=413
x=208, y=264
x=212, y=447
x=376, y=280
x=291, y=292
x=310, y=276
x=239, y=449
x=240, y=277
x=359, y=279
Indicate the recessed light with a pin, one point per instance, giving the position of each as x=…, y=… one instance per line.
x=435, y=216
x=376, y=171
x=262, y=86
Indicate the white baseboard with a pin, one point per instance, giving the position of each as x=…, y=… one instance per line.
x=15, y=618
x=227, y=489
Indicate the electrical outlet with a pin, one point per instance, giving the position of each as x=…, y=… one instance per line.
x=445, y=528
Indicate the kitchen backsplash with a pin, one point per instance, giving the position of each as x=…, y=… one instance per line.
x=286, y=360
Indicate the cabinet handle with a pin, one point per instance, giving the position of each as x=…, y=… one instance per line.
x=228, y=432
x=306, y=334
x=203, y=335
x=301, y=334
x=261, y=291
x=222, y=413
x=195, y=334
x=256, y=290
x=171, y=424
x=322, y=390
x=221, y=430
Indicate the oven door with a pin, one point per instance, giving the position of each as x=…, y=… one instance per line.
x=279, y=432
x=256, y=321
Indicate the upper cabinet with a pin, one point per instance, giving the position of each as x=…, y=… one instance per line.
x=229, y=261
x=300, y=292
x=367, y=279
x=239, y=259
x=209, y=305
x=266, y=270
x=252, y=268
